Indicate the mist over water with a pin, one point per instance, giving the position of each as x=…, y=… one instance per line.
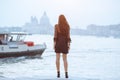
x=90, y=58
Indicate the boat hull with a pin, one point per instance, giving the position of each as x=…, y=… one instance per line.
x=22, y=53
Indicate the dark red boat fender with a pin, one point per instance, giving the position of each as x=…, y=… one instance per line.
x=29, y=43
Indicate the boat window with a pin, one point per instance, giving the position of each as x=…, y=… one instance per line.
x=21, y=37
x=13, y=38
x=1, y=37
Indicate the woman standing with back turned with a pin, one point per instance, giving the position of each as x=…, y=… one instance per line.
x=62, y=43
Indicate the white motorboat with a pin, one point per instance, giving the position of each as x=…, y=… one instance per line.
x=13, y=45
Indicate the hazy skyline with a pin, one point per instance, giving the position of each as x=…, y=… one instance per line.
x=78, y=12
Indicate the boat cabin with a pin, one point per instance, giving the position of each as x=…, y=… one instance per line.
x=12, y=37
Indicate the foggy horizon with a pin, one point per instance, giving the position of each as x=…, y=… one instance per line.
x=79, y=13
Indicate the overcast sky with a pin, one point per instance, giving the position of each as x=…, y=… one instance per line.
x=78, y=12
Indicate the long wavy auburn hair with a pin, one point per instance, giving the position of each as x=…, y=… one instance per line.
x=63, y=26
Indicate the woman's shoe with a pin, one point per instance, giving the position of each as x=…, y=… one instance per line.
x=66, y=74
x=58, y=74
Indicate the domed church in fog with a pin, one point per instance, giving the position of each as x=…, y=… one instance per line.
x=39, y=27
x=44, y=20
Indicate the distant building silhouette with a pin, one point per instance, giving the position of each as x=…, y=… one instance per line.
x=34, y=21
x=44, y=20
x=43, y=27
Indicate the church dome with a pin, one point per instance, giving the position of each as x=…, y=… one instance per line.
x=44, y=20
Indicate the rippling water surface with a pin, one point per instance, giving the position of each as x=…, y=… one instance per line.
x=90, y=58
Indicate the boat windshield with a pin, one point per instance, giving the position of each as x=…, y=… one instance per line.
x=12, y=37
x=18, y=37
